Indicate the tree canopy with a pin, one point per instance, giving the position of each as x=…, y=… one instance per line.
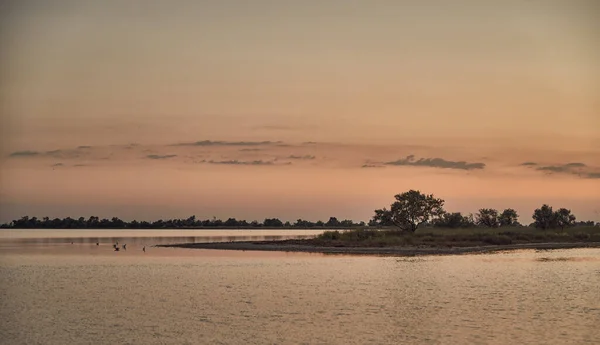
x=413, y=208
x=545, y=218
x=487, y=217
x=95, y=222
x=410, y=210
x=508, y=217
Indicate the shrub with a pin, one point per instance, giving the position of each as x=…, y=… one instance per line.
x=330, y=235
x=497, y=240
x=582, y=236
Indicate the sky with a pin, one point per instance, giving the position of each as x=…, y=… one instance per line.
x=297, y=109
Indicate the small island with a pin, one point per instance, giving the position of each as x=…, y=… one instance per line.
x=417, y=224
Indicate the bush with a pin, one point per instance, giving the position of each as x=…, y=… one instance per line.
x=582, y=236
x=497, y=240
x=330, y=235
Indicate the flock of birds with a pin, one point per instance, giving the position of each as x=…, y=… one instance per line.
x=116, y=246
x=124, y=246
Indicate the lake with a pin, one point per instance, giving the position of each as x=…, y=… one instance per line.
x=55, y=292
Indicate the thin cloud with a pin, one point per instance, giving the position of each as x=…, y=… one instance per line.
x=58, y=165
x=305, y=157
x=160, y=156
x=24, y=154
x=577, y=169
x=564, y=168
x=83, y=147
x=229, y=143
x=528, y=164
x=238, y=162
x=554, y=168
x=250, y=150
x=436, y=163
x=372, y=166
x=53, y=153
x=63, y=154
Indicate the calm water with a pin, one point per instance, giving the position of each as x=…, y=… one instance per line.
x=55, y=292
x=145, y=237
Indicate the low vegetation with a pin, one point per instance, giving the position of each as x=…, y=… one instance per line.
x=453, y=237
x=416, y=219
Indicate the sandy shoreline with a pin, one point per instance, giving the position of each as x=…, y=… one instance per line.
x=285, y=246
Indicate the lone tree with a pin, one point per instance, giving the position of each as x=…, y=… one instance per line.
x=543, y=217
x=564, y=218
x=410, y=210
x=487, y=217
x=508, y=217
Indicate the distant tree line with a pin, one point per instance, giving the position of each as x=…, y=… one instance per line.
x=409, y=211
x=191, y=222
x=413, y=209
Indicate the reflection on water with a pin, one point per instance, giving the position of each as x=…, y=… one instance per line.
x=150, y=240
x=191, y=296
x=146, y=237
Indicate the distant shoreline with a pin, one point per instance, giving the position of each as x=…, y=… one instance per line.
x=295, y=246
x=208, y=228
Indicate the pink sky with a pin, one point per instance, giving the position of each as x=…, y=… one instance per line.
x=492, y=85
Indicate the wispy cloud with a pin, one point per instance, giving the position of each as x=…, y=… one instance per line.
x=305, y=157
x=238, y=162
x=229, y=143
x=577, y=169
x=250, y=150
x=24, y=154
x=372, y=166
x=528, y=164
x=436, y=163
x=53, y=153
x=63, y=154
x=160, y=156
x=129, y=146
x=564, y=168
x=58, y=165
x=83, y=147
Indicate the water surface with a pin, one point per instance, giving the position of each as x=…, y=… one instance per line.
x=40, y=238
x=62, y=293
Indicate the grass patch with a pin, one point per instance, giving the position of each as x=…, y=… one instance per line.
x=465, y=237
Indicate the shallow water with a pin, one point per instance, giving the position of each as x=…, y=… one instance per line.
x=62, y=293
x=146, y=237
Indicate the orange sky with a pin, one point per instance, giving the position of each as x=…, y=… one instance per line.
x=493, y=85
